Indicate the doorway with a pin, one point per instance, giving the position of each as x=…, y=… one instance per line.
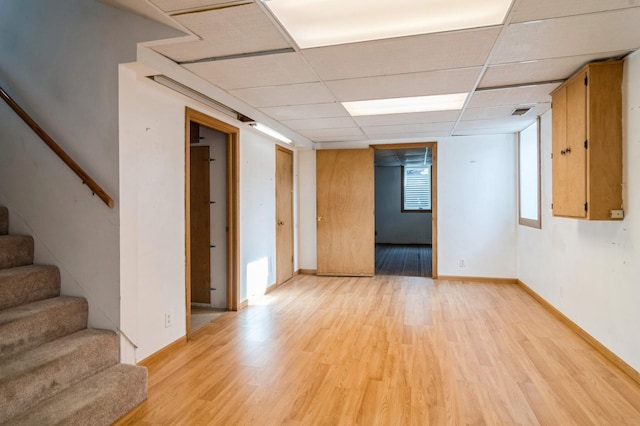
x=406, y=209
x=211, y=216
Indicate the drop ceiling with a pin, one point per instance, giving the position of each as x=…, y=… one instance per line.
x=240, y=48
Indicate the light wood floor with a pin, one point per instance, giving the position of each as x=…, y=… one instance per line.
x=389, y=351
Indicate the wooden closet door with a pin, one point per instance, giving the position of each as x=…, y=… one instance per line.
x=200, y=226
x=575, y=151
x=284, y=215
x=345, y=212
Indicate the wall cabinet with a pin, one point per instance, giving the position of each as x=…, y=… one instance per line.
x=587, y=143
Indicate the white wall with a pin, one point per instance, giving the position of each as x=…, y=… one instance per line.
x=257, y=213
x=590, y=271
x=307, y=209
x=59, y=61
x=477, y=206
x=152, y=150
x=393, y=226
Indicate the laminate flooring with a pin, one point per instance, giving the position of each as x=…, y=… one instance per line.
x=387, y=351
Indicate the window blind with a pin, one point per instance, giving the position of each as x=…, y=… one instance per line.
x=417, y=188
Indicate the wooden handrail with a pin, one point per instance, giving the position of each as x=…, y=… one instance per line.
x=86, y=179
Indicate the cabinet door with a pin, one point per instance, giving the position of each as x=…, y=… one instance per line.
x=569, y=164
x=575, y=151
x=558, y=160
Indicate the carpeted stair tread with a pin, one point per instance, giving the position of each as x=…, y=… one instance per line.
x=27, y=284
x=99, y=400
x=15, y=250
x=53, y=370
x=4, y=221
x=26, y=326
x=32, y=376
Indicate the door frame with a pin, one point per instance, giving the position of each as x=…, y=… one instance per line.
x=233, y=173
x=434, y=194
x=292, y=242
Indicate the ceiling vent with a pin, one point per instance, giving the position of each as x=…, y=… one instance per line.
x=521, y=111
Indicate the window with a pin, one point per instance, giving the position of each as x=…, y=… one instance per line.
x=529, y=176
x=416, y=189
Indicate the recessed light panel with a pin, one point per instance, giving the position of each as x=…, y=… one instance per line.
x=318, y=23
x=406, y=105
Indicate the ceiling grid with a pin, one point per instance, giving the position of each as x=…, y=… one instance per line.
x=303, y=88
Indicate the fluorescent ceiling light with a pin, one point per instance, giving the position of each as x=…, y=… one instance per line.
x=328, y=22
x=269, y=131
x=406, y=105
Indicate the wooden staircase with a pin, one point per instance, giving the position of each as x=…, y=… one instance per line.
x=53, y=369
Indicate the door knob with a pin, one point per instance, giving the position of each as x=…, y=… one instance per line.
x=280, y=222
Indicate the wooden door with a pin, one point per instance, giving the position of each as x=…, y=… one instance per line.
x=575, y=151
x=569, y=133
x=345, y=212
x=284, y=215
x=558, y=144
x=200, y=225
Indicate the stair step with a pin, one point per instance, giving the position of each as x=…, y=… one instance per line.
x=15, y=250
x=4, y=221
x=27, y=284
x=30, y=377
x=99, y=400
x=27, y=326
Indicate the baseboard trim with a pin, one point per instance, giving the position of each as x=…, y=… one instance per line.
x=270, y=288
x=308, y=271
x=162, y=353
x=477, y=279
x=602, y=349
x=244, y=304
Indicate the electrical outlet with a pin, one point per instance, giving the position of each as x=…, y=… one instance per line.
x=462, y=264
x=167, y=320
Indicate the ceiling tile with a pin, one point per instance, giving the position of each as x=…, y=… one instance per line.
x=489, y=131
x=408, y=128
x=255, y=71
x=228, y=31
x=512, y=96
x=291, y=94
x=459, y=49
x=329, y=139
x=543, y=70
x=509, y=126
x=503, y=112
x=406, y=85
x=333, y=133
x=575, y=35
x=176, y=5
x=530, y=10
x=417, y=117
x=319, y=123
x=306, y=111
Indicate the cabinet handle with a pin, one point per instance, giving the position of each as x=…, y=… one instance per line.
x=563, y=152
x=568, y=150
